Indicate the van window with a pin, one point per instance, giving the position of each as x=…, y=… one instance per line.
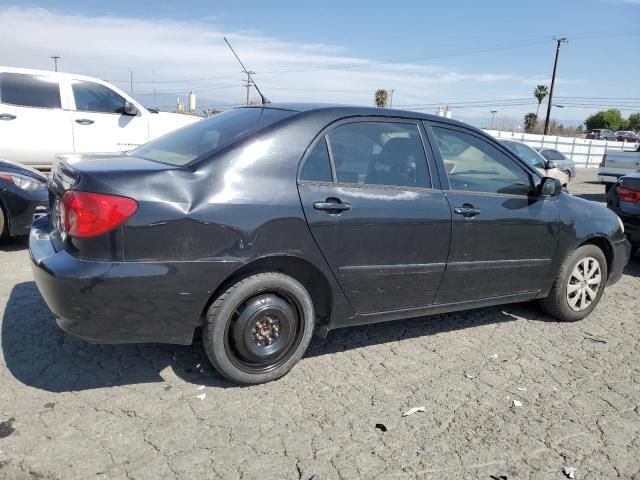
x=29, y=90
x=93, y=97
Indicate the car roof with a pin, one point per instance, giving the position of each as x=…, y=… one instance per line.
x=48, y=73
x=356, y=110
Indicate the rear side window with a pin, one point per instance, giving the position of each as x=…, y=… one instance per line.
x=552, y=155
x=207, y=136
x=93, y=97
x=29, y=90
x=379, y=153
x=317, y=166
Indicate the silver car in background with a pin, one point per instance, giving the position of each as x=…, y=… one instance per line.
x=560, y=160
x=548, y=168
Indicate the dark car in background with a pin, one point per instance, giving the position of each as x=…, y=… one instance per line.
x=627, y=136
x=263, y=224
x=23, y=194
x=624, y=199
x=559, y=160
x=601, y=134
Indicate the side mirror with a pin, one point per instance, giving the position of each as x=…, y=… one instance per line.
x=130, y=109
x=549, y=187
x=551, y=164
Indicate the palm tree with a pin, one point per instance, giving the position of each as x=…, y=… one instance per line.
x=381, y=97
x=540, y=92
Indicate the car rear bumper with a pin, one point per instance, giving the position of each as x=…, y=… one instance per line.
x=123, y=302
x=621, y=254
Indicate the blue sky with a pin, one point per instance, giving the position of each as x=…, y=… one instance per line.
x=429, y=52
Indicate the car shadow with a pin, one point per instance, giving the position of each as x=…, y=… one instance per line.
x=39, y=354
x=15, y=244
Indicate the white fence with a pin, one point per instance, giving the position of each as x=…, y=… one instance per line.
x=584, y=153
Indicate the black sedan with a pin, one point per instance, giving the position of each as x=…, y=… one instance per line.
x=264, y=224
x=624, y=199
x=23, y=195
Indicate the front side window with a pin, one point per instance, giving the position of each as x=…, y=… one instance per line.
x=93, y=97
x=29, y=90
x=184, y=145
x=473, y=164
x=379, y=153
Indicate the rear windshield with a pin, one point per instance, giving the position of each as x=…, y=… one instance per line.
x=206, y=136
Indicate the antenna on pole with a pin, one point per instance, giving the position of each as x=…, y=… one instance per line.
x=248, y=73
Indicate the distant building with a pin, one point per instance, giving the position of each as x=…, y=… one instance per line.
x=192, y=102
x=444, y=112
x=180, y=106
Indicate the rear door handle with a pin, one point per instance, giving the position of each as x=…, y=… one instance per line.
x=84, y=121
x=7, y=116
x=467, y=211
x=332, y=205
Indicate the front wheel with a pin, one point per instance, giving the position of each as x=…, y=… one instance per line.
x=4, y=228
x=259, y=328
x=578, y=286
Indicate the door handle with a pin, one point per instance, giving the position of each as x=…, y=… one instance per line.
x=332, y=205
x=7, y=116
x=467, y=211
x=84, y=121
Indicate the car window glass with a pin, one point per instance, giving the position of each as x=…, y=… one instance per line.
x=317, y=166
x=473, y=164
x=207, y=136
x=29, y=90
x=93, y=97
x=553, y=155
x=526, y=153
x=379, y=153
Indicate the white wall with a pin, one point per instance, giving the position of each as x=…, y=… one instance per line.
x=584, y=153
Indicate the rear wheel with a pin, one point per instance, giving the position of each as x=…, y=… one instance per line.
x=259, y=328
x=578, y=286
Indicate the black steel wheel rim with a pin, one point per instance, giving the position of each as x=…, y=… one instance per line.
x=263, y=331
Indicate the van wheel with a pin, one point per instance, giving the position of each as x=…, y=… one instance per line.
x=259, y=328
x=578, y=286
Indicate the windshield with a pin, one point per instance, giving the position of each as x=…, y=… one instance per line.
x=206, y=136
x=526, y=153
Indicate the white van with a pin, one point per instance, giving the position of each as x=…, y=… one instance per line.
x=44, y=113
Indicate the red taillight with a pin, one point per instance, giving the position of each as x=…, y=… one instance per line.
x=628, y=195
x=91, y=214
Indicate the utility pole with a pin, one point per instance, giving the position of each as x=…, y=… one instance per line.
x=559, y=40
x=153, y=78
x=493, y=117
x=248, y=84
x=55, y=62
x=130, y=82
x=391, y=98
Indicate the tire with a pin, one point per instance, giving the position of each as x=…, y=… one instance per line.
x=4, y=227
x=559, y=302
x=259, y=328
